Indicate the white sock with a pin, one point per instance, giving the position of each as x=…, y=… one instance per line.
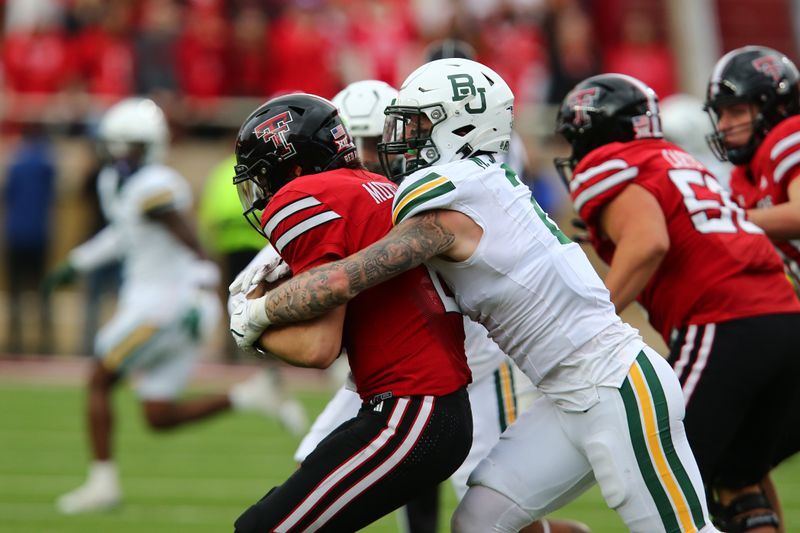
x=104, y=473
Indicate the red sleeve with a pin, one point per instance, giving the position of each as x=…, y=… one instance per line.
x=306, y=231
x=784, y=155
x=598, y=179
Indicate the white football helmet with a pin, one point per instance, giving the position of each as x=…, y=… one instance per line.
x=361, y=106
x=685, y=122
x=135, y=121
x=446, y=110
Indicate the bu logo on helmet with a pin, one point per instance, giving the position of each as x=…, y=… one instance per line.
x=580, y=100
x=464, y=87
x=769, y=65
x=274, y=129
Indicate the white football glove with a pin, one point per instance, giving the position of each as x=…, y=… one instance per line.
x=266, y=266
x=248, y=321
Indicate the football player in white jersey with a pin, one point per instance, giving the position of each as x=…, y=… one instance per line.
x=612, y=408
x=167, y=303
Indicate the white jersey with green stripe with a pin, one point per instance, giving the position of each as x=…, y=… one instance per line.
x=154, y=260
x=531, y=287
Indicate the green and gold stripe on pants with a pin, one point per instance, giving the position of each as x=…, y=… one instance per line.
x=123, y=352
x=669, y=485
x=506, y=397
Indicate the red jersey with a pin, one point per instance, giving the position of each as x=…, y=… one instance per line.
x=764, y=182
x=402, y=335
x=719, y=265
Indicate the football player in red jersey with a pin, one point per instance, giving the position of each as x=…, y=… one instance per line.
x=753, y=99
x=405, y=339
x=709, y=279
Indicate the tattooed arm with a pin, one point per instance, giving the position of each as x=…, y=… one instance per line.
x=408, y=245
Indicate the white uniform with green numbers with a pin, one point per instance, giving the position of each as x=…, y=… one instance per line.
x=165, y=310
x=612, y=408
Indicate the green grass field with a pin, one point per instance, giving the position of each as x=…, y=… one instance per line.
x=196, y=479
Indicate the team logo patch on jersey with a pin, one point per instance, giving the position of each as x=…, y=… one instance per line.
x=769, y=65
x=581, y=101
x=274, y=129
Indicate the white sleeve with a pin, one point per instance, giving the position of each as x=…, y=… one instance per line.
x=422, y=191
x=103, y=248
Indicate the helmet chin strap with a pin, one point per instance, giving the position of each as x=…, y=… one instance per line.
x=465, y=151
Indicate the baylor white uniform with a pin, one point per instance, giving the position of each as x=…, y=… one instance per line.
x=492, y=395
x=612, y=408
x=164, y=307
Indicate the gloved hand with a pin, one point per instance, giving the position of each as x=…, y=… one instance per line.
x=63, y=274
x=248, y=321
x=266, y=266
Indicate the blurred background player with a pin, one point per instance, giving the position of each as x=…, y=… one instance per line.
x=753, y=100
x=167, y=305
x=708, y=278
x=28, y=205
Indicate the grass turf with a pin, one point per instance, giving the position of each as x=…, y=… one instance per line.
x=195, y=479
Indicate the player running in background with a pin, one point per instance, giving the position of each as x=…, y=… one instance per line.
x=709, y=279
x=404, y=340
x=166, y=307
x=612, y=408
x=492, y=393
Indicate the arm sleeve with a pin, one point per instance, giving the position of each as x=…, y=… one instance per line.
x=305, y=231
x=422, y=192
x=598, y=183
x=103, y=248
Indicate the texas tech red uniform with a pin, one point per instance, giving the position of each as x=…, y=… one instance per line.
x=405, y=343
x=399, y=336
x=719, y=266
x=719, y=298
x=765, y=180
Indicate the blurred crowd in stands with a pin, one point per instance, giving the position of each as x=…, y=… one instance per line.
x=192, y=56
x=208, y=63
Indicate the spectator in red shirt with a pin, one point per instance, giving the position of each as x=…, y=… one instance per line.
x=249, y=65
x=201, y=52
x=104, y=54
x=156, y=48
x=36, y=60
x=641, y=54
x=303, y=56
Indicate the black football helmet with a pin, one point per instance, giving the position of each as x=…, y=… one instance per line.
x=604, y=109
x=758, y=75
x=287, y=137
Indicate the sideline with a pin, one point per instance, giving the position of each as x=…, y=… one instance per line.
x=72, y=370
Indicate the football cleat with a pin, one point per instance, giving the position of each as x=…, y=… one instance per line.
x=101, y=492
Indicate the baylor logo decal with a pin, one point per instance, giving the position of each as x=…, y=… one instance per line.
x=463, y=87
